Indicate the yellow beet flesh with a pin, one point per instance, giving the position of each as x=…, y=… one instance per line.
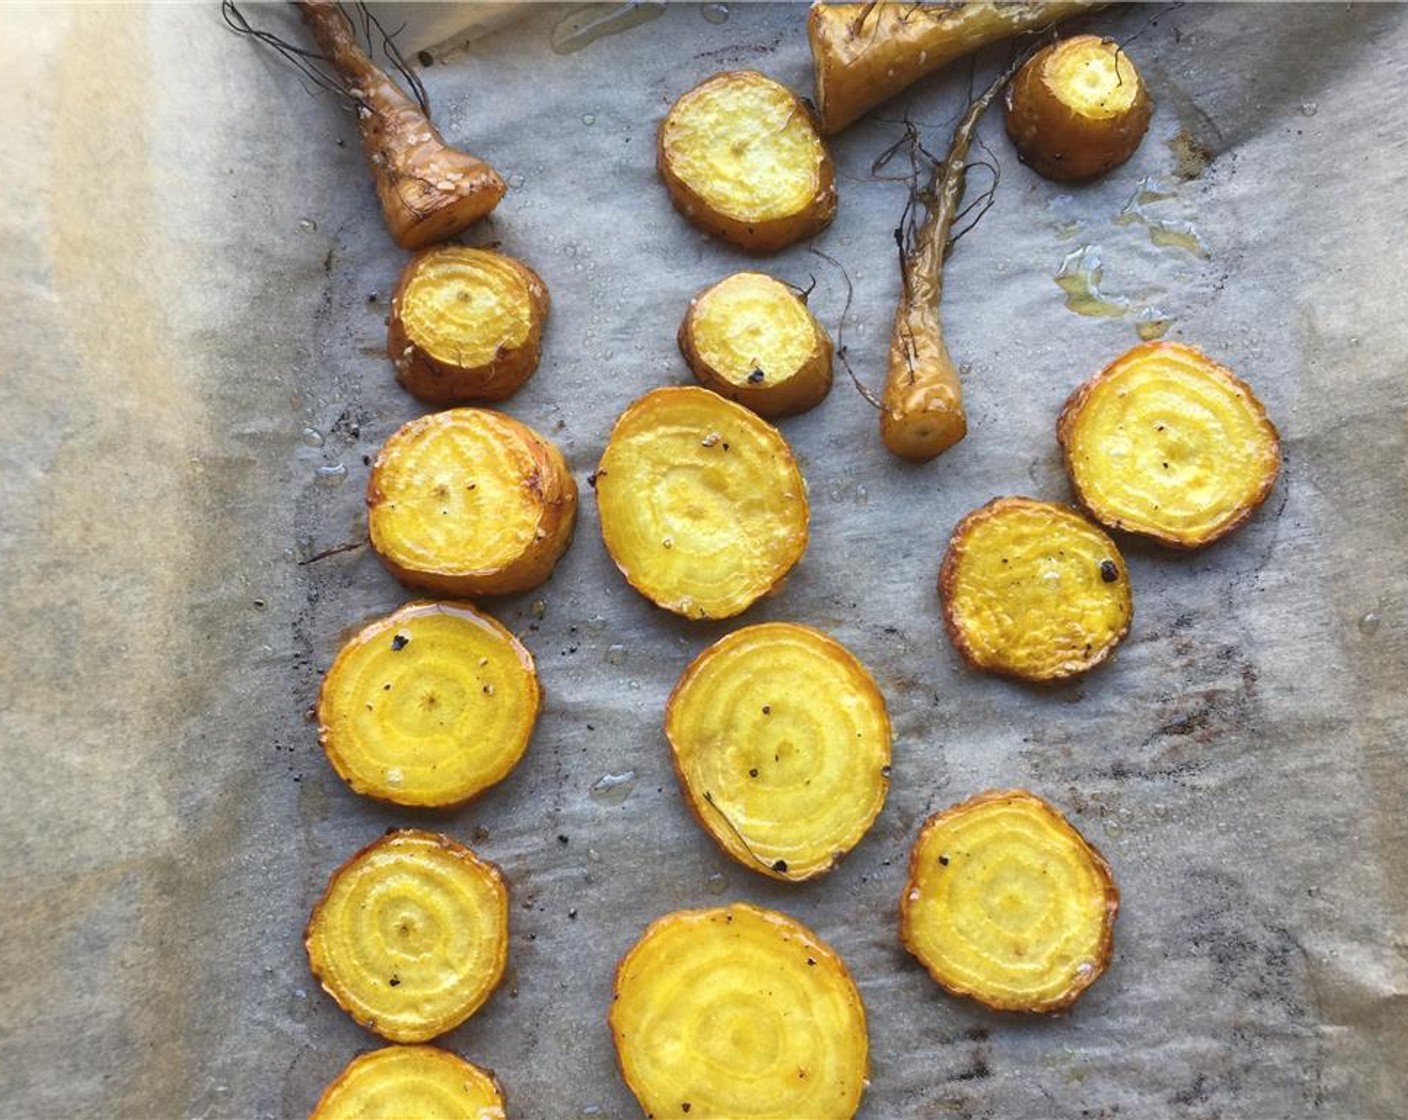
x=466, y=325
x=739, y=1013
x=1166, y=443
x=1033, y=590
x=782, y=745
x=1007, y=903
x=751, y=339
x=1094, y=76
x=742, y=159
x=400, y=1082
x=470, y=502
x=702, y=505
x=429, y=706
x=1077, y=108
x=411, y=936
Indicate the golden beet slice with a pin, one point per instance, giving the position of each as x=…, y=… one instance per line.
x=739, y=1012
x=742, y=159
x=751, y=339
x=428, y=706
x=1006, y=902
x=1077, y=108
x=470, y=502
x=702, y=505
x=1033, y=590
x=1167, y=443
x=400, y=1082
x=466, y=325
x=411, y=935
x=782, y=744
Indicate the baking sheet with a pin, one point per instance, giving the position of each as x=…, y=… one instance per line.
x=195, y=283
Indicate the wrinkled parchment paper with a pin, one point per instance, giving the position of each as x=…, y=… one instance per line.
x=195, y=272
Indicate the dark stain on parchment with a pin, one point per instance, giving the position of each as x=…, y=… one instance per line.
x=1218, y=700
x=1190, y=155
x=1254, y=977
x=977, y=1066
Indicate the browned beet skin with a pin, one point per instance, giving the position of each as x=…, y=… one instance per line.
x=1059, y=133
x=428, y=190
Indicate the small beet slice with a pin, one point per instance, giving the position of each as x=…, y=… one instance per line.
x=1007, y=903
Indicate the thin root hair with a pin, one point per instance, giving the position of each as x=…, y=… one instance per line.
x=303, y=61
x=860, y=386
x=335, y=550
x=984, y=201
x=1151, y=21
x=317, y=69
x=801, y=292
x=393, y=54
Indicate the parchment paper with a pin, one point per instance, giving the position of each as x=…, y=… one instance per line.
x=195, y=271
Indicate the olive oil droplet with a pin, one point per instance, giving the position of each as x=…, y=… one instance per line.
x=613, y=789
x=1151, y=323
x=1080, y=276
